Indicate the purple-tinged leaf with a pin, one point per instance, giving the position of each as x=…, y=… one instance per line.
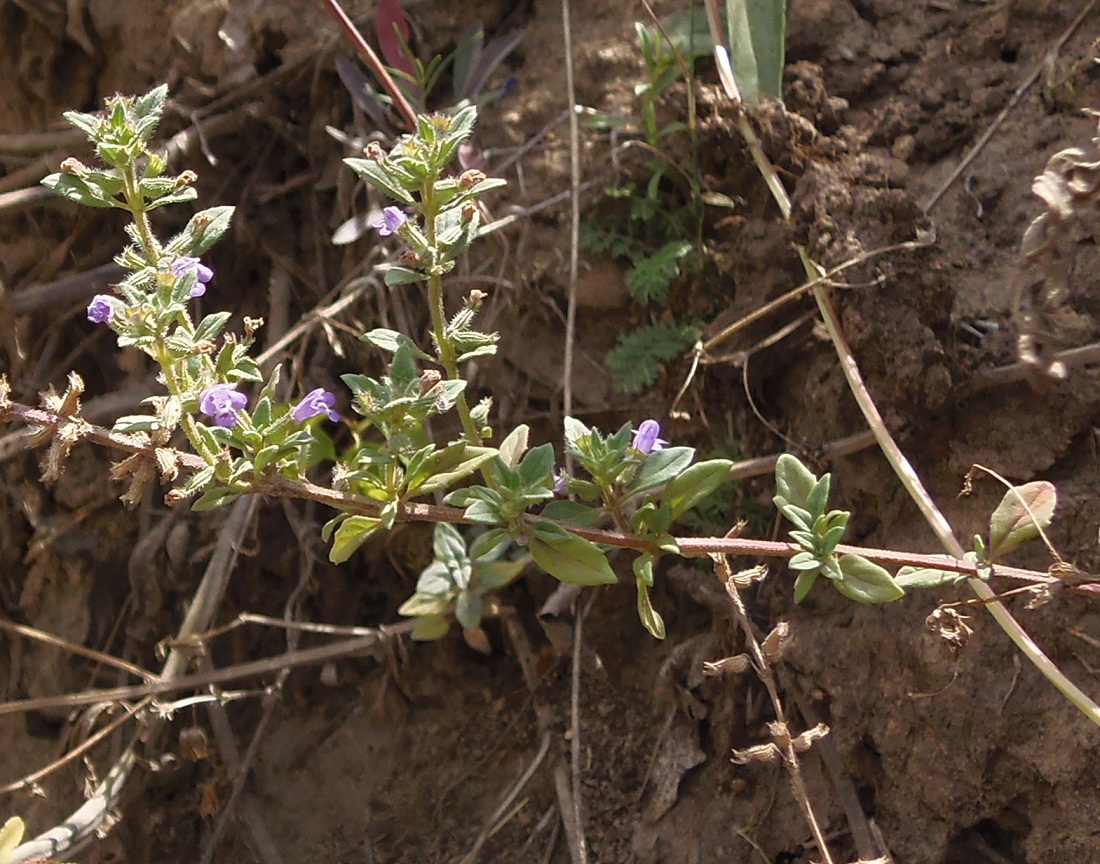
x=392, y=28
x=362, y=93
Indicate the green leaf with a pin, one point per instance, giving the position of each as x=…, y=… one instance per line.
x=643, y=569
x=484, y=513
x=818, y=498
x=794, y=482
x=206, y=228
x=211, y=326
x=89, y=124
x=569, y=558
x=75, y=189
x=694, y=485
x=804, y=561
x=447, y=467
x=395, y=274
x=651, y=619
x=652, y=275
x=447, y=544
x=490, y=545
x=266, y=456
x=537, y=465
x=572, y=512
x=187, y=193
x=927, y=577
x=635, y=362
x=1012, y=524
x=462, y=124
x=376, y=175
x=431, y=628
x=804, y=583
x=424, y=604
x=866, y=582
x=661, y=466
x=757, y=30
x=514, y=446
x=575, y=430
x=149, y=108
x=392, y=340
x=214, y=498
x=351, y=534
x=802, y=518
x=132, y=423
x=468, y=609
x=483, y=351
x=652, y=519
x=497, y=574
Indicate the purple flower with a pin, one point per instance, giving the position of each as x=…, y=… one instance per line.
x=100, y=309
x=203, y=274
x=222, y=402
x=561, y=482
x=392, y=219
x=315, y=402
x=646, y=438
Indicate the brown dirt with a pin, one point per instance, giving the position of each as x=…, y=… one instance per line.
x=954, y=758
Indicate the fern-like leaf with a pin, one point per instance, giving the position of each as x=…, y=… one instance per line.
x=652, y=276
x=636, y=361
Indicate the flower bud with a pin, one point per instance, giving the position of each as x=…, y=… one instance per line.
x=204, y=347
x=186, y=179
x=375, y=152
x=409, y=258
x=476, y=298
x=469, y=211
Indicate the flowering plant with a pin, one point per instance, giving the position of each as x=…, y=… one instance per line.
x=255, y=443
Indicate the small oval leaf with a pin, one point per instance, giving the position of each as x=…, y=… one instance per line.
x=1011, y=524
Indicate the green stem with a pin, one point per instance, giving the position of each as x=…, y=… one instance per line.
x=448, y=358
x=135, y=201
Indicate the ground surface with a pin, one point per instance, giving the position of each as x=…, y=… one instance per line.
x=404, y=757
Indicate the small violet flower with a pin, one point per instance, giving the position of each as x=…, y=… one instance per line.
x=646, y=437
x=315, y=402
x=99, y=310
x=203, y=274
x=561, y=482
x=392, y=219
x=222, y=402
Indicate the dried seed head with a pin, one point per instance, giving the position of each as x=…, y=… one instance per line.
x=174, y=496
x=251, y=327
x=759, y=753
x=471, y=178
x=428, y=379
x=726, y=666
x=776, y=642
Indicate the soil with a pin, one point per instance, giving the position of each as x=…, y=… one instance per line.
x=951, y=753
